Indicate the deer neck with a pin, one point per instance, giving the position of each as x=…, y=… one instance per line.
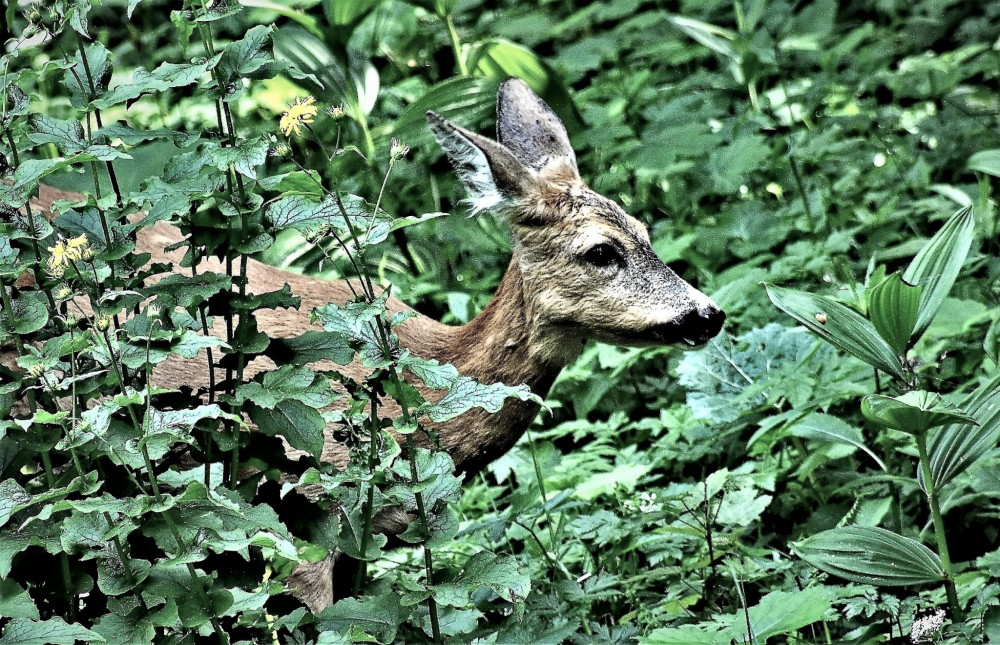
x=503, y=344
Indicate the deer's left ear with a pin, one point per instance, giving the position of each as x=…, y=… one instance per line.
x=493, y=175
x=529, y=128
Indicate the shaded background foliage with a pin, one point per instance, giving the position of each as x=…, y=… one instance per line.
x=796, y=143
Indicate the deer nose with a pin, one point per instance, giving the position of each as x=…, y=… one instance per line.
x=700, y=325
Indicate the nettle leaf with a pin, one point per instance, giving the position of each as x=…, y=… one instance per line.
x=54, y=631
x=161, y=79
x=838, y=325
x=310, y=347
x=913, y=412
x=727, y=379
x=176, y=425
x=937, y=265
x=870, y=555
x=435, y=480
x=377, y=616
x=250, y=57
x=244, y=158
x=287, y=382
x=17, y=102
x=31, y=312
x=484, y=569
x=297, y=422
x=357, y=321
x=893, y=307
x=67, y=135
x=467, y=393
x=431, y=373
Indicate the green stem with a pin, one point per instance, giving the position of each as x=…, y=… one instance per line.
x=939, y=534
x=802, y=193
x=456, y=46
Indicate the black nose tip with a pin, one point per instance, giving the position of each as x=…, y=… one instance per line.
x=700, y=326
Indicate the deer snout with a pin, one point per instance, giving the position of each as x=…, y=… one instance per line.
x=701, y=325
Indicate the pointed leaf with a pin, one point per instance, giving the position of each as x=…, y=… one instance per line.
x=914, y=412
x=936, y=266
x=955, y=447
x=839, y=325
x=825, y=427
x=987, y=161
x=893, y=307
x=870, y=555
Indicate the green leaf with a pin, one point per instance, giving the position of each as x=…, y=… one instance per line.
x=987, y=161
x=300, y=424
x=780, y=612
x=15, y=601
x=245, y=157
x=467, y=393
x=954, y=448
x=913, y=412
x=871, y=555
x=54, y=631
x=310, y=347
x=484, y=569
x=161, y=79
x=824, y=427
x=838, y=325
x=67, y=135
x=377, y=616
x=937, y=265
x=893, y=306
x=287, y=382
x=464, y=99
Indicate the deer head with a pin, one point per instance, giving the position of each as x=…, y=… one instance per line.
x=588, y=269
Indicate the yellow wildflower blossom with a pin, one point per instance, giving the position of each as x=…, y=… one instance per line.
x=300, y=112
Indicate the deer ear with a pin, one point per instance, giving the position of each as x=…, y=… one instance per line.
x=531, y=130
x=493, y=176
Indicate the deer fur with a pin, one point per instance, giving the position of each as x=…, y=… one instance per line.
x=581, y=270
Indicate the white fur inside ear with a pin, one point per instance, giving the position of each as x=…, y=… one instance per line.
x=473, y=169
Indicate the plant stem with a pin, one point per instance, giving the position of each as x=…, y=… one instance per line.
x=939, y=534
x=456, y=46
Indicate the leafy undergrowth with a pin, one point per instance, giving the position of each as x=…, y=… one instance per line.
x=824, y=170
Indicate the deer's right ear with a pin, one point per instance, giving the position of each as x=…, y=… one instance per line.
x=493, y=176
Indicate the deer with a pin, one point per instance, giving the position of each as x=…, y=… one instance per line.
x=581, y=269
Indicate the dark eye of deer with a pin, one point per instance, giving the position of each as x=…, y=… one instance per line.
x=602, y=255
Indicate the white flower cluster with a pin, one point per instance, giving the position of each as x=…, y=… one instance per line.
x=925, y=629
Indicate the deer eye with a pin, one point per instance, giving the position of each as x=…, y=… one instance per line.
x=602, y=255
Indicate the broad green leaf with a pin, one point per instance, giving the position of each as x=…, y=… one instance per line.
x=164, y=77
x=54, y=631
x=287, y=382
x=293, y=420
x=913, y=412
x=465, y=99
x=67, y=135
x=15, y=601
x=467, y=393
x=987, y=161
x=31, y=312
x=824, y=427
x=839, y=325
x=937, y=265
x=893, y=306
x=378, y=616
x=953, y=448
x=312, y=346
x=870, y=555
x=500, y=573
x=780, y=612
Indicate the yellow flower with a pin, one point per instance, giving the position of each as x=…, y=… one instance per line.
x=36, y=370
x=64, y=252
x=57, y=257
x=300, y=112
x=78, y=248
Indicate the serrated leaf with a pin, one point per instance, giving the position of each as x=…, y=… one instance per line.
x=838, y=325
x=467, y=393
x=499, y=573
x=871, y=555
x=893, y=306
x=54, y=631
x=300, y=424
x=913, y=412
x=312, y=346
x=244, y=158
x=937, y=265
x=67, y=135
x=378, y=616
x=161, y=79
x=287, y=382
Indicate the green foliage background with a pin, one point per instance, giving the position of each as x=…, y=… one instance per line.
x=812, y=145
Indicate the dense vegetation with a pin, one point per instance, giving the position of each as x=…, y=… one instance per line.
x=827, y=165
